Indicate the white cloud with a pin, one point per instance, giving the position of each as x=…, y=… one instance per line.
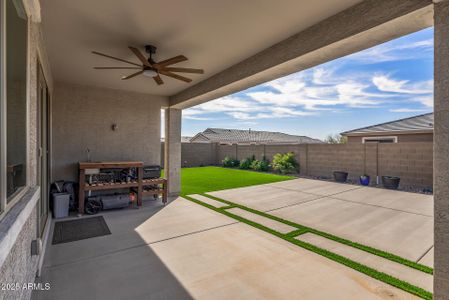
x=393, y=52
x=425, y=100
x=271, y=113
x=406, y=110
x=349, y=93
x=386, y=84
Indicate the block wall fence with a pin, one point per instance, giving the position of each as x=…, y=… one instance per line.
x=411, y=161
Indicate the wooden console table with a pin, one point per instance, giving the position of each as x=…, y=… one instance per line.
x=139, y=184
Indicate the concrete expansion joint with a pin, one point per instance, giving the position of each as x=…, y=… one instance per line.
x=424, y=254
x=380, y=206
x=294, y=204
x=321, y=196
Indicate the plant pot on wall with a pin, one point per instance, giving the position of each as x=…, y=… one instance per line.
x=391, y=182
x=340, y=176
x=364, y=180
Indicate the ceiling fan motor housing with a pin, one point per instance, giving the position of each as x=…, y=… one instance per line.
x=150, y=49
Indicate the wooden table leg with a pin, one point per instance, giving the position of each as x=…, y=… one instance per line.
x=165, y=196
x=140, y=185
x=81, y=196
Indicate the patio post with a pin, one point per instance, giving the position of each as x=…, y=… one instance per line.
x=441, y=150
x=172, y=151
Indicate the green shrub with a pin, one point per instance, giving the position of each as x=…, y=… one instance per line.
x=285, y=163
x=245, y=164
x=260, y=165
x=230, y=163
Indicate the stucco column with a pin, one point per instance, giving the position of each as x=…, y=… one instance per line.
x=441, y=151
x=172, y=152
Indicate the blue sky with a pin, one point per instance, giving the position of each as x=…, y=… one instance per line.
x=390, y=81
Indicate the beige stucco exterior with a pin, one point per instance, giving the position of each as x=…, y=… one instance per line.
x=83, y=117
x=400, y=137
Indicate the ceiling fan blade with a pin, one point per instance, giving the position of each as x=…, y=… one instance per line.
x=116, y=58
x=176, y=76
x=185, y=70
x=116, y=68
x=171, y=61
x=140, y=56
x=158, y=79
x=132, y=75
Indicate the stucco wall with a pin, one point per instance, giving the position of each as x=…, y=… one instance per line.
x=83, y=117
x=20, y=267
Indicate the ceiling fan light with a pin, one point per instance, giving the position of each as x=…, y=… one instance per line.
x=150, y=73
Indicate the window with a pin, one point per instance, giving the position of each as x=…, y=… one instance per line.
x=380, y=139
x=14, y=49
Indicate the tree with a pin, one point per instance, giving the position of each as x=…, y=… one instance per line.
x=336, y=139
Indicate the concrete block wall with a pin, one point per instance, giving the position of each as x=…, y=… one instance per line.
x=245, y=151
x=196, y=154
x=226, y=151
x=324, y=159
x=411, y=161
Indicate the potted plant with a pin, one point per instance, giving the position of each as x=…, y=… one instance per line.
x=340, y=176
x=391, y=182
x=364, y=180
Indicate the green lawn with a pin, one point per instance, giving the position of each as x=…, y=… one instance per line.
x=207, y=179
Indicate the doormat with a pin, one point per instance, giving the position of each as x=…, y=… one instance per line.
x=80, y=229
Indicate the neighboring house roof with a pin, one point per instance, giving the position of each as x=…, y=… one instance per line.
x=232, y=136
x=416, y=124
x=185, y=139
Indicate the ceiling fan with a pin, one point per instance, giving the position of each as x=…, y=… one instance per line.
x=151, y=68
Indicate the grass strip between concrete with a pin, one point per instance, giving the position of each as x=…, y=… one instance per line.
x=290, y=237
x=381, y=253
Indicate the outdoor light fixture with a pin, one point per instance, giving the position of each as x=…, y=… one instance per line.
x=150, y=73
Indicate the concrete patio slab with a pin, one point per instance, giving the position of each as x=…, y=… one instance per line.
x=208, y=200
x=404, y=201
x=278, y=226
x=394, y=221
x=407, y=235
x=231, y=261
x=134, y=227
x=240, y=262
x=418, y=278
x=263, y=197
x=316, y=187
x=427, y=259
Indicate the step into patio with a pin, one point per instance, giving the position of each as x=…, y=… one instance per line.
x=275, y=225
x=410, y=275
x=208, y=200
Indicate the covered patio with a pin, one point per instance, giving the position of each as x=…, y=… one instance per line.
x=187, y=251
x=204, y=246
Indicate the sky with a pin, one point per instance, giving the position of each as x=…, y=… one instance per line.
x=391, y=81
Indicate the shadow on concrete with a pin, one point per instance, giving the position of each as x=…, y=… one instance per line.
x=117, y=266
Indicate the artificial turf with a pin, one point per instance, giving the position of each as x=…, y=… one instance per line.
x=200, y=180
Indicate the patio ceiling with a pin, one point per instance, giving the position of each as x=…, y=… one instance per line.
x=214, y=35
x=239, y=44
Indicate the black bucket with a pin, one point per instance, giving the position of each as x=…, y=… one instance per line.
x=340, y=176
x=391, y=182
